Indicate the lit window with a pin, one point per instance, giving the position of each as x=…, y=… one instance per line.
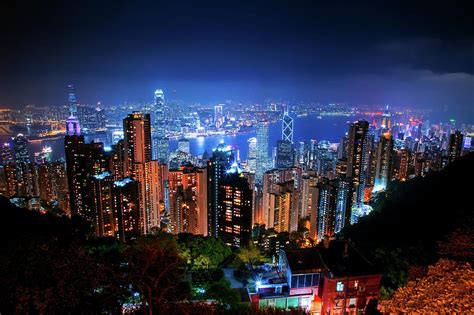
x=339, y=286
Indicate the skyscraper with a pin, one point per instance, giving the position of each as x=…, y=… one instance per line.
x=357, y=159
x=287, y=127
x=101, y=195
x=183, y=145
x=234, y=210
x=262, y=151
x=252, y=155
x=218, y=116
x=139, y=166
x=222, y=158
x=188, y=200
x=125, y=208
x=383, y=158
x=455, y=145
x=161, y=142
x=284, y=154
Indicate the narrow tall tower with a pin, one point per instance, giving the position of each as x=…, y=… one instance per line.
x=161, y=142
x=287, y=127
x=262, y=151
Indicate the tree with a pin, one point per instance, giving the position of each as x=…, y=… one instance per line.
x=202, y=252
x=446, y=288
x=250, y=255
x=157, y=271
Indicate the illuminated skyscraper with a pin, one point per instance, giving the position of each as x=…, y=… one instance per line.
x=234, y=210
x=222, y=158
x=262, y=151
x=6, y=153
x=125, y=208
x=183, y=146
x=139, y=166
x=287, y=127
x=284, y=154
x=188, y=200
x=357, y=159
x=101, y=195
x=383, y=156
x=160, y=141
x=326, y=209
x=455, y=145
x=72, y=101
x=218, y=116
x=252, y=155
x=386, y=120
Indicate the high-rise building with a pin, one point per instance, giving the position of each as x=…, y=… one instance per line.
x=183, y=145
x=140, y=167
x=125, y=208
x=188, y=200
x=160, y=141
x=262, y=151
x=137, y=140
x=221, y=160
x=24, y=171
x=357, y=159
x=403, y=172
x=234, y=208
x=284, y=154
x=6, y=153
x=326, y=209
x=252, y=155
x=287, y=127
x=82, y=161
x=383, y=157
x=386, y=120
x=343, y=203
x=101, y=195
x=218, y=116
x=455, y=145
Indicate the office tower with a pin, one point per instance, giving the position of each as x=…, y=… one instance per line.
x=52, y=183
x=188, y=200
x=161, y=142
x=262, y=151
x=72, y=101
x=284, y=154
x=24, y=176
x=183, y=145
x=283, y=206
x=383, y=157
x=252, y=155
x=307, y=181
x=325, y=159
x=371, y=162
x=403, y=172
x=287, y=127
x=343, y=203
x=455, y=145
x=326, y=209
x=341, y=168
x=6, y=153
x=218, y=116
x=11, y=181
x=20, y=146
x=234, y=208
x=101, y=196
x=221, y=160
x=82, y=161
x=386, y=120
x=140, y=167
x=117, y=160
x=125, y=208
x=137, y=140
x=357, y=159
x=342, y=148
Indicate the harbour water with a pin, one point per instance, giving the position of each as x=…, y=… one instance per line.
x=330, y=128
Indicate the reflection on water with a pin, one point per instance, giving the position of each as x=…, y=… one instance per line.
x=305, y=128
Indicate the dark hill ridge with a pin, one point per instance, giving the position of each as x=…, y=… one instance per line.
x=424, y=209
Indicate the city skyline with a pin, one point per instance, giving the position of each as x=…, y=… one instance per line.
x=214, y=157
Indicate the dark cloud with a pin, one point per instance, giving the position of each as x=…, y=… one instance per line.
x=387, y=52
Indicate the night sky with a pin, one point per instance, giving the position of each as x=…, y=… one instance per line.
x=400, y=53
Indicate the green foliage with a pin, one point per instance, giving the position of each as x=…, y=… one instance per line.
x=250, y=255
x=201, y=252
